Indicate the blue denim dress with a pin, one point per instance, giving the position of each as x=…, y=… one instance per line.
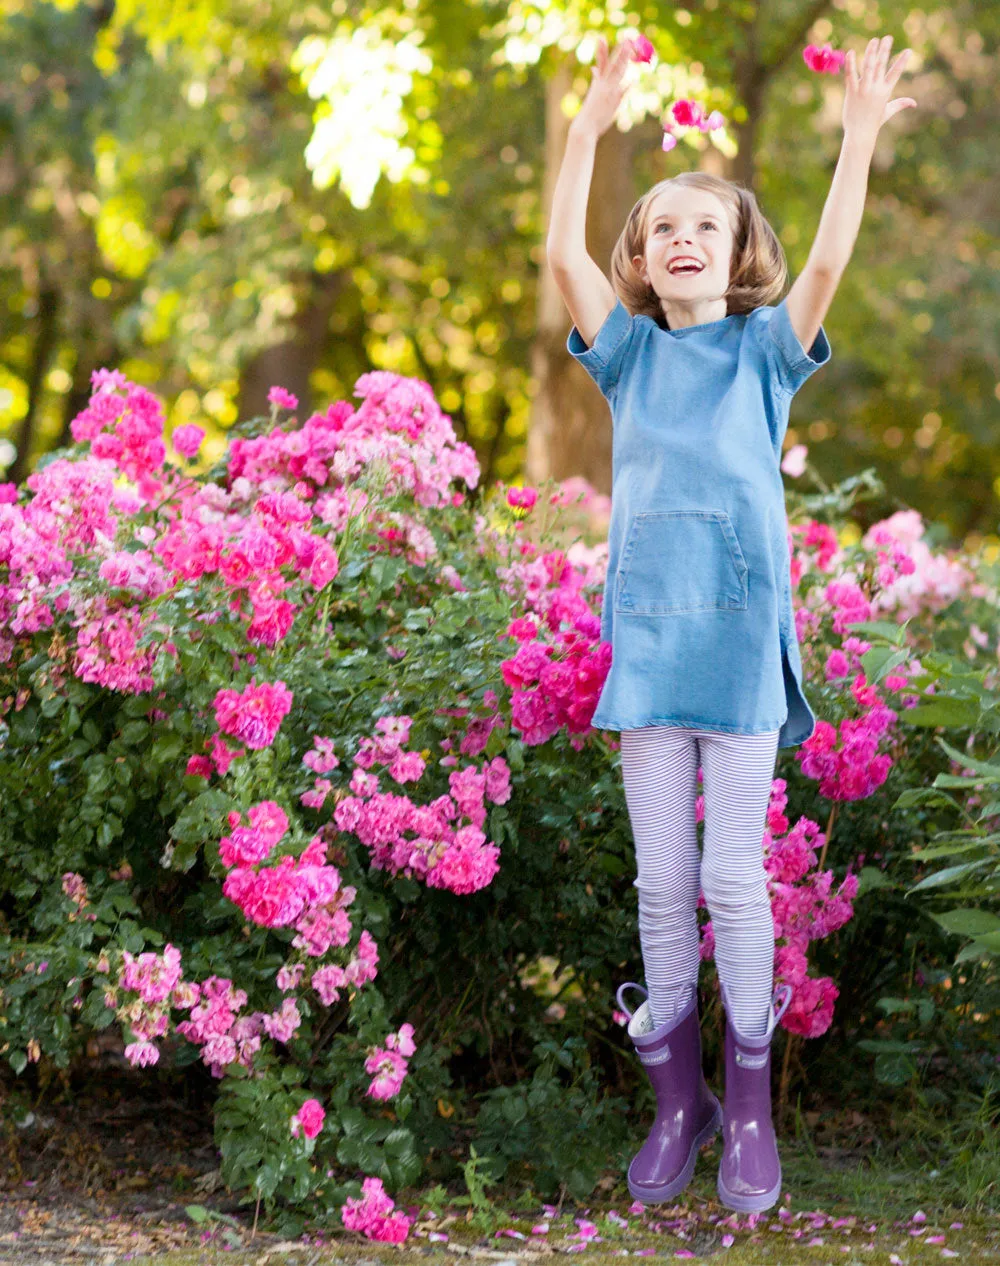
x=697, y=602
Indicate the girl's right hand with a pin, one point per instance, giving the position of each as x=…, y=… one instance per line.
x=607, y=89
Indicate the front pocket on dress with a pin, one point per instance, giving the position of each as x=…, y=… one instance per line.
x=681, y=560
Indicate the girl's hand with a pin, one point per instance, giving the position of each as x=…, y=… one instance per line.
x=867, y=103
x=607, y=89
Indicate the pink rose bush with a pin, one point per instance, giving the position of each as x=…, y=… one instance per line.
x=296, y=720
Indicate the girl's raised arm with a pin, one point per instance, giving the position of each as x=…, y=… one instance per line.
x=867, y=105
x=584, y=287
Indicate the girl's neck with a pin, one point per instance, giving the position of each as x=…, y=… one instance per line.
x=679, y=316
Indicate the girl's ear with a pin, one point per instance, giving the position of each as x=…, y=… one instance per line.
x=639, y=264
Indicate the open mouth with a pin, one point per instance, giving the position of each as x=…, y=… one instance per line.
x=685, y=268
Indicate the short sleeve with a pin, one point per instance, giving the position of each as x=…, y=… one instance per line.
x=785, y=354
x=604, y=360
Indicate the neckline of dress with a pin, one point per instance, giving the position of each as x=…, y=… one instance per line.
x=703, y=325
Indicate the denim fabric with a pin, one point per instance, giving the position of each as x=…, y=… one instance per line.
x=697, y=603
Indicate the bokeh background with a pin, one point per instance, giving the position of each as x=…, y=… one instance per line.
x=218, y=195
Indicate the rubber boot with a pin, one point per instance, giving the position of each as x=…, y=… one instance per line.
x=750, y=1172
x=687, y=1113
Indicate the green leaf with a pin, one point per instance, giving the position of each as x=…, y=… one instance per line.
x=990, y=772
x=952, y=849
x=885, y=629
x=915, y=796
x=955, y=714
x=134, y=732
x=894, y=1006
x=959, y=780
x=881, y=660
x=982, y=947
x=197, y=1213
x=871, y=879
x=949, y=875
x=967, y=921
x=18, y=1060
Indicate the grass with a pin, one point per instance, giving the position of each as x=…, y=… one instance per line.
x=845, y=1209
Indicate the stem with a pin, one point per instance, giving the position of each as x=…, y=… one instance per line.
x=786, y=1066
x=256, y=1211
x=829, y=831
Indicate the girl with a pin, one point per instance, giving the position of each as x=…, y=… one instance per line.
x=699, y=372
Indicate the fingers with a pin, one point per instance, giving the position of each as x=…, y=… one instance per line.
x=884, y=49
x=622, y=57
x=897, y=67
x=851, y=65
x=868, y=65
x=602, y=55
x=897, y=106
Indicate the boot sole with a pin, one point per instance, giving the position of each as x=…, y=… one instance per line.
x=748, y=1204
x=648, y=1194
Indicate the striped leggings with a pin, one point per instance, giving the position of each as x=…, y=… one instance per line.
x=659, y=768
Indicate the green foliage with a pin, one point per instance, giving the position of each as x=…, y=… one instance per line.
x=558, y=1123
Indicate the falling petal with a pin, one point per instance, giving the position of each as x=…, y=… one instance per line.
x=687, y=113
x=715, y=121
x=728, y=1241
x=669, y=142
x=642, y=49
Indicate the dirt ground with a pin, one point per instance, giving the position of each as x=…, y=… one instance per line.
x=108, y=1177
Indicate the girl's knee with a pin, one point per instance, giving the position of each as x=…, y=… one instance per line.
x=725, y=890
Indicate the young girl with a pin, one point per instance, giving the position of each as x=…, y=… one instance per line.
x=699, y=372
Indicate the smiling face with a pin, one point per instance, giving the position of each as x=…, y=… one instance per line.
x=688, y=247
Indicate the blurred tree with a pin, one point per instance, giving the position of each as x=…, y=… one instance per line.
x=178, y=199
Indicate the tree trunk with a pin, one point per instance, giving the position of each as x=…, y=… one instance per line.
x=570, y=432
x=48, y=323
x=290, y=363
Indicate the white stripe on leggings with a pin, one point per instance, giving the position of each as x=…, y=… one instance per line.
x=659, y=769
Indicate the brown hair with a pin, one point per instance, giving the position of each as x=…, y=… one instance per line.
x=757, y=271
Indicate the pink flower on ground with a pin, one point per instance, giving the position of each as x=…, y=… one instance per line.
x=823, y=60
x=309, y=1119
x=794, y=461
x=282, y=399
x=373, y=1214
x=187, y=439
x=642, y=49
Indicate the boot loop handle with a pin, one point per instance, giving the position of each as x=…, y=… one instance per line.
x=620, y=996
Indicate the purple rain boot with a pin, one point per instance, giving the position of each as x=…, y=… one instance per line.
x=687, y=1113
x=750, y=1172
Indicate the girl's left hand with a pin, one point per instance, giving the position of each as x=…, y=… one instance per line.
x=867, y=104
